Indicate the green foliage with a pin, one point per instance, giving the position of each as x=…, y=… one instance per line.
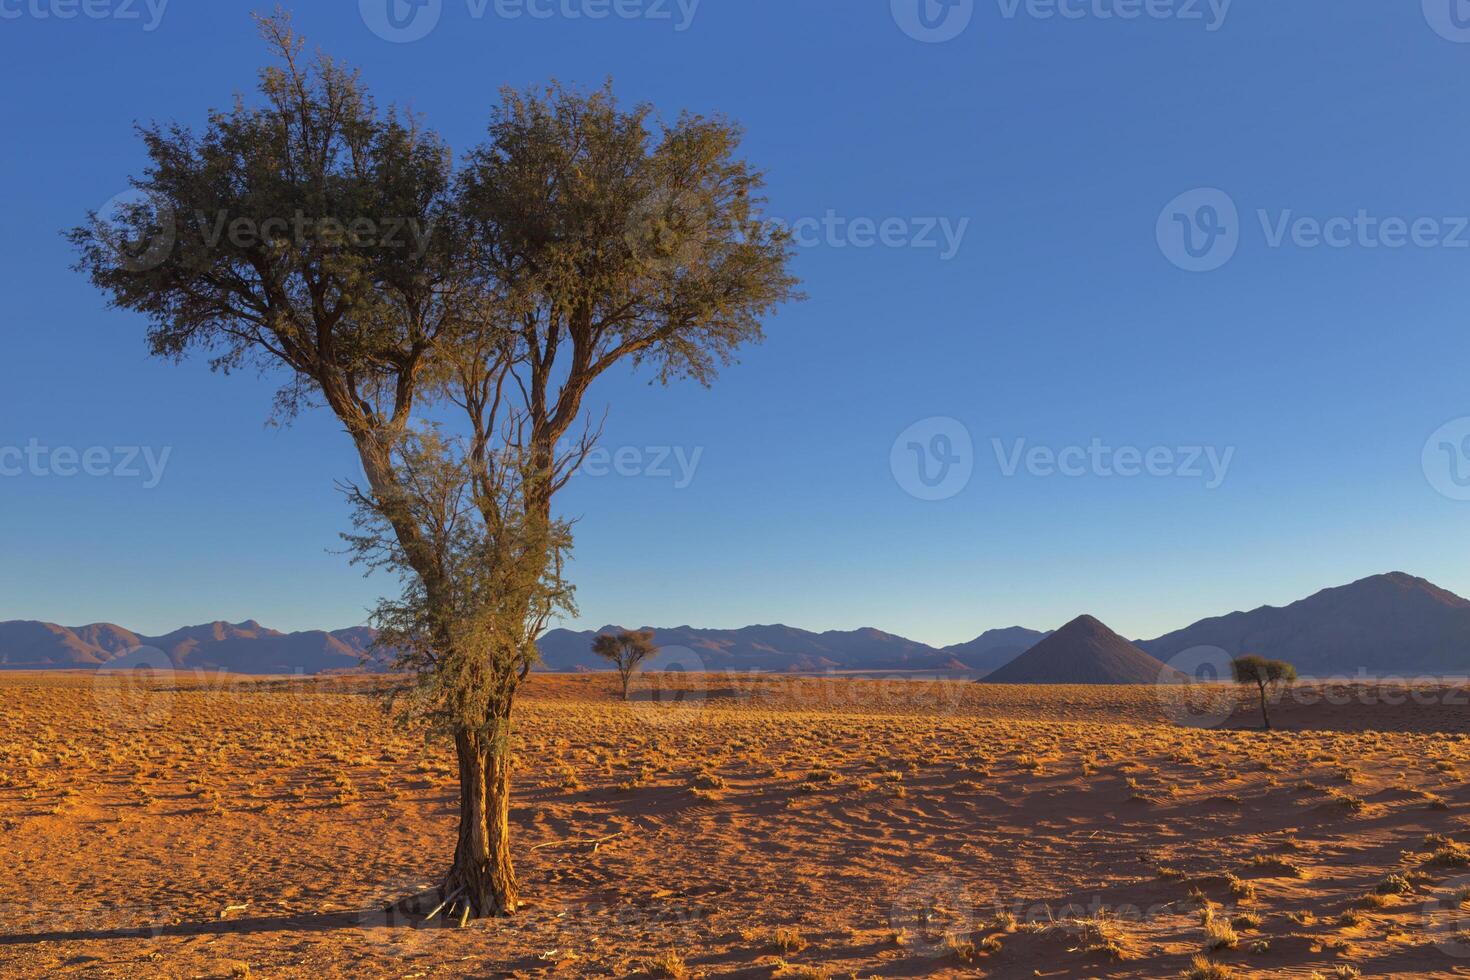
x=311, y=233
x=471, y=640
x=626, y=649
x=1264, y=674
x=646, y=242
x=1252, y=669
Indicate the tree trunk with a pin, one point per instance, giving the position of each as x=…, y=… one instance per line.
x=1264, y=712
x=627, y=676
x=482, y=863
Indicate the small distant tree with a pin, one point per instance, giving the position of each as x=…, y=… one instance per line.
x=1265, y=674
x=626, y=649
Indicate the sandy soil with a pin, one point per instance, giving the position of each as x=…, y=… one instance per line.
x=794, y=827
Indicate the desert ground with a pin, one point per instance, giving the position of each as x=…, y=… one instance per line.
x=729, y=826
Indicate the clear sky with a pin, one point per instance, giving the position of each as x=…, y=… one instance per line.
x=1058, y=308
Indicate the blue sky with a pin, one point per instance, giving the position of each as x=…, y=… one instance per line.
x=1048, y=146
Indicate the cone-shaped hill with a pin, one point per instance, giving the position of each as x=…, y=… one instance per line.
x=1082, y=652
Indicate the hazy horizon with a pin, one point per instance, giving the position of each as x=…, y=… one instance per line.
x=583, y=625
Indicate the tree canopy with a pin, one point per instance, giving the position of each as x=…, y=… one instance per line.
x=453, y=316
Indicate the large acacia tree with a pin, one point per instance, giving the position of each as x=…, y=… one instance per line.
x=453, y=317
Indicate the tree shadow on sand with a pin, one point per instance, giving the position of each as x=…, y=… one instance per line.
x=407, y=913
x=294, y=922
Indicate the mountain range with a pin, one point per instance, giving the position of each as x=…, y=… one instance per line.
x=245, y=648
x=780, y=648
x=1393, y=624
x=995, y=648
x=1386, y=624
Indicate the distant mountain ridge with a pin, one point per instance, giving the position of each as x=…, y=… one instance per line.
x=775, y=648
x=1386, y=624
x=246, y=648
x=1391, y=624
x=994, y=649
x=251, y=648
